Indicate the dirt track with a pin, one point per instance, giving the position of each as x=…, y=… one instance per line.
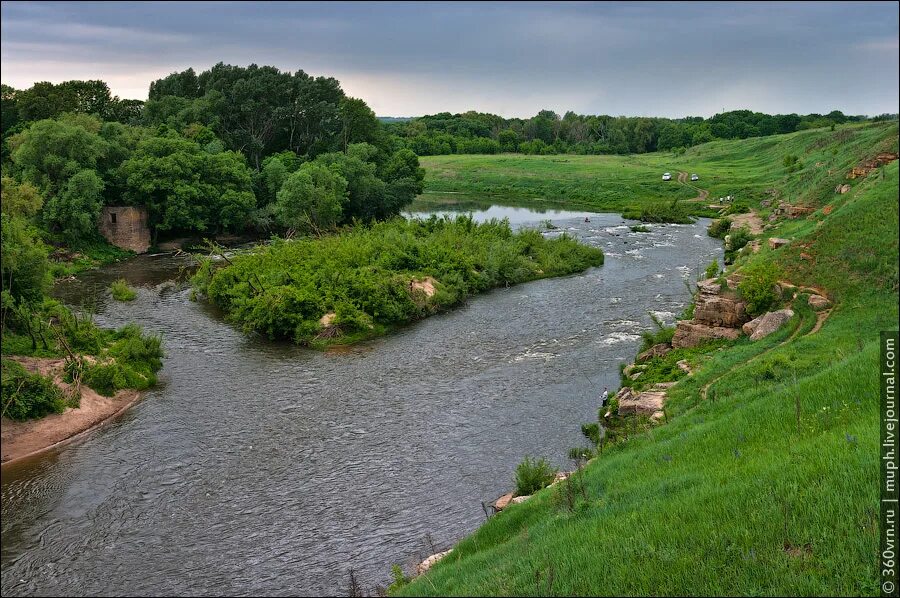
x=702, y=194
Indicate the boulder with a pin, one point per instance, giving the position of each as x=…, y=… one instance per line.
x=775, y=242
x=430, y=561
x=767, y=323
x=717, y=307
x=683, y=366
x=648, y=402
x=503, y=502
x=842, y=188
x=654, y=351
x=818, y=302
x=519, y=500
x=691, y=334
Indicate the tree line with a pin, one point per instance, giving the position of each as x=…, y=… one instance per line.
x=549, y=133
x=223, y=151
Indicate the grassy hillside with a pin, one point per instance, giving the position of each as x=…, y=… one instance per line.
x=769, y=484
x=744, y=168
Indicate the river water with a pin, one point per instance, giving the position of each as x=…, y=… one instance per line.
x=263, y=468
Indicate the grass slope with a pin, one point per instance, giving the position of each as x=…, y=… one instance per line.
x=769, y=486
x=744, y=169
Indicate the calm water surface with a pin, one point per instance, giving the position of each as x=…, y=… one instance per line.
x=262, y=468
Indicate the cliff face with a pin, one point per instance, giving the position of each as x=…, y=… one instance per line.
x=718, y=313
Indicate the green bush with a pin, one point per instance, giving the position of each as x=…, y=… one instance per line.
x=639, y=228
x=121, y=291
x=719, y=228
x=712, y=270
x=365, y=275
x=662, y=334
x=759, y=287
x=532, y=475
x=26, y=395
x=737, y=239
x=659, y=212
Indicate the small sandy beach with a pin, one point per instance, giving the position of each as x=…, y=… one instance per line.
x=28, y=438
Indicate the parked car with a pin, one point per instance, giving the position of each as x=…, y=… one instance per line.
x=694, y=177
x=667, y=176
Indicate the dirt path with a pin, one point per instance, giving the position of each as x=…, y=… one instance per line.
x=702, y=194
x=820, y=320
x=749, y=220
x=32, y=437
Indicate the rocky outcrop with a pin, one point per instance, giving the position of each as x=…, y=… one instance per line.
x=718, y=313
x=776, y=243
x=719, y=307
x=690, y=334
x=767, y=323
x=428, y=563
x=684, y=366
x=791, y=211
x=649, y=402
x=864, y=168
x=654, y=351
x=818, y=302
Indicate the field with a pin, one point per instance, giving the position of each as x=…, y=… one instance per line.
x=764, y=479
x=743, y=169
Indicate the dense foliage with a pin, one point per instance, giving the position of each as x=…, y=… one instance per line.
x=548, y=133
x=532, y=475
x=26, y=396
x=369, y=279
x=206, y=154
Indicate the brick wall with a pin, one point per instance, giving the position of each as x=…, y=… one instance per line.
x=126, y=227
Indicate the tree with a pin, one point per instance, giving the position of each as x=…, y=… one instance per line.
x=50, y=151
x=311, y=199
x=24, y=269
x=358, y=122
x=75, y=210
x=186, y=188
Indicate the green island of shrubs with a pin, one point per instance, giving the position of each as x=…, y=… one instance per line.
x=367, y=280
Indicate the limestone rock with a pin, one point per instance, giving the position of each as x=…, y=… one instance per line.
x=503, y=502
x=654, y=351
x=842, y=189
x=717, y=307
x=430, y=561
x=767, y=323
x=691, y=334
x=643, y=403
x=775, y=242
x=683, y=366
x=818, y=302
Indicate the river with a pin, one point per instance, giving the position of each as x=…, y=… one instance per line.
x=263, y=468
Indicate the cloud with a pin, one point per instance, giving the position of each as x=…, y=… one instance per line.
x=668, y=59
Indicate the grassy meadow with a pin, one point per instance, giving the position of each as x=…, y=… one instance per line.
x=744, y=169
x=768, y=485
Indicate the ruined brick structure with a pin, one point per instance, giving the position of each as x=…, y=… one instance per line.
x=126, y=227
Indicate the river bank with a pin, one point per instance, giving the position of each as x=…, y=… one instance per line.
x=258, y=465
x=24, y=439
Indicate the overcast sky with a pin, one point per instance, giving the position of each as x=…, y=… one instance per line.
x=513, y=59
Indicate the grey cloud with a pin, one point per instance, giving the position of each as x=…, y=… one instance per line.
x=669, y=59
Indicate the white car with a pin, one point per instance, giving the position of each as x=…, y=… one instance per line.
x=667, y=176
x=694, y=177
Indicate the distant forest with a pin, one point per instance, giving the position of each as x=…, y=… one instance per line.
x=548, y=133
x=235, y=149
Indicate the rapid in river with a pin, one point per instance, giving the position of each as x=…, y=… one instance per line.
x=257, y=467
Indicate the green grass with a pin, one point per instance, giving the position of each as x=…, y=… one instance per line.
x=363, y=281
x=745, y=169
x=87, y=256
x=769, y=485
x=121, y=291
